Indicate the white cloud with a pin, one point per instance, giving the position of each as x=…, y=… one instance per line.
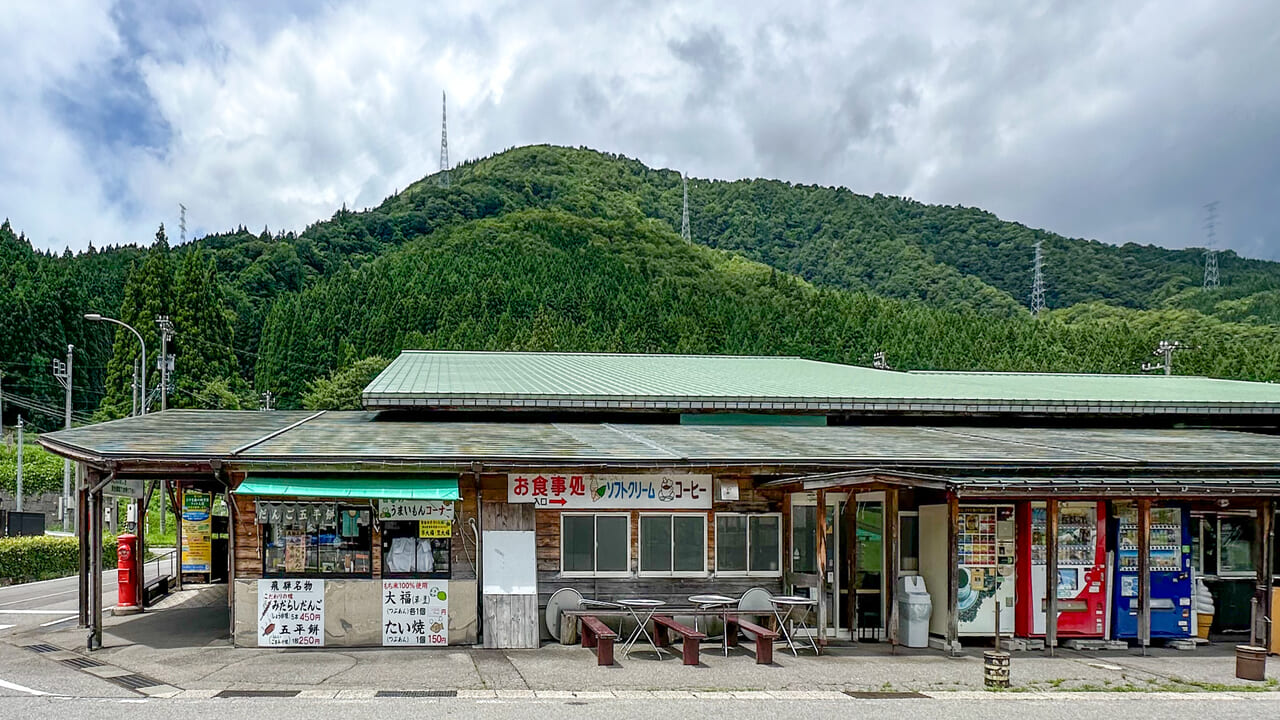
x=1101, y=119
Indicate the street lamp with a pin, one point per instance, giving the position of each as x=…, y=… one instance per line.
x=100, y=318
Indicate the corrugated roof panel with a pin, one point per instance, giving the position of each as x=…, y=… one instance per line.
x=661, y=381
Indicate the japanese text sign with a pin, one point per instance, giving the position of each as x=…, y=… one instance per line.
x=566, y=491
x=415, y=612
x=435, y=529
x=415, y=510
x=291, y=612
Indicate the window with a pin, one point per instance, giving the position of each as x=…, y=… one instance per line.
x=595, y=544
x=673, y=544
x=411, y=550
x=804, y=541
x=909, y=542
x=749, y=544
x=315, y=538
x=1235, y=545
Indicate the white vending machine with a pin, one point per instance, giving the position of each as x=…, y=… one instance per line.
x=986, y=572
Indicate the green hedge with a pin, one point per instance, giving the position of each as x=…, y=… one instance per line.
x=27, y=559
x=41, y=470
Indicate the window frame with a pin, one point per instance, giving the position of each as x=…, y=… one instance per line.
x=749, y=572
x=1217, y=521
x=641, y=572
x=339, y=505
x=595, y=550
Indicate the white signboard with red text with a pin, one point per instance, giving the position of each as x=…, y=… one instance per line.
x=565, y=491
x=290, y=613
x=415, y=612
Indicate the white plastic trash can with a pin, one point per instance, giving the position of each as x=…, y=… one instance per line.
x=914, y=609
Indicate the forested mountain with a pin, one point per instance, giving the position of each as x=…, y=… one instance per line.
x=556, y=248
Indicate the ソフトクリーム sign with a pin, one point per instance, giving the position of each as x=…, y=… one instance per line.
x=567, y=491
x=291, y=613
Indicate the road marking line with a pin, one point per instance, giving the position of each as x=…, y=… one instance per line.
x=55, y=622
x=6, y=627
x=20, y=688
x=34, y=612
x=41, y=597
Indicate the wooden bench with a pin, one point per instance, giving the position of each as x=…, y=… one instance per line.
x=764, y=637
x=662, y=628
x=595, y=634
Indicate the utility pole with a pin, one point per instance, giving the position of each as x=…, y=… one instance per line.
x=166, y=362
x=133, y=389
x=266, y=401
x=19, y=463
x=1165, y=350
x=62, y=372
x=1, y=405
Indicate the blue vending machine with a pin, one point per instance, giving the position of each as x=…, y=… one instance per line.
x=1170, y=572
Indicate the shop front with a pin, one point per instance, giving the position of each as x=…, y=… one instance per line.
x=354, y=560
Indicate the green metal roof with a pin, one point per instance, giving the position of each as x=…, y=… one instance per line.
x=433, y=379
x=379, y=486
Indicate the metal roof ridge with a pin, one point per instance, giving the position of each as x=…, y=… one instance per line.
x=274, y=434
x=561, y=353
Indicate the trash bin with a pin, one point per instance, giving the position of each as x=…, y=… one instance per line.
x=914, y=609
x=1251, y=662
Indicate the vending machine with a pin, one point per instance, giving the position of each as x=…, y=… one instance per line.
x=1170, y=572
x=1082, y=569
x=986, y=571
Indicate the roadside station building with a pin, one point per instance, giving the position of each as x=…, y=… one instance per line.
x=474, y=485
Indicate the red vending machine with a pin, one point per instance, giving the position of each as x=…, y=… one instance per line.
x=1082, y=569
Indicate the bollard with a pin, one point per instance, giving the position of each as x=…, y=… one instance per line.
x=995, y=669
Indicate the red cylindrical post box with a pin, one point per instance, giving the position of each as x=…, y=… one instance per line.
x=127, y=567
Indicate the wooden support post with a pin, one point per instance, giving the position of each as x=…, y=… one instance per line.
x=175, y=500
x=820, y=527
x=1261, y=632
x=1051, y=577
x=96, y=510
x=851, y=579
x=140, y=529
x=953, y=571
x=82, y=532
x=892, y=556
x=1144, y=574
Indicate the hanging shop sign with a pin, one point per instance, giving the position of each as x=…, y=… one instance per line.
x=197, y=550
x=435, y=529
x=124, y=488
x=290, y=613
x=415, y=612
x=415, y=510
x=614, y=492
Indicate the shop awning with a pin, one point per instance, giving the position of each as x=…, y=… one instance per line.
x=365, y=485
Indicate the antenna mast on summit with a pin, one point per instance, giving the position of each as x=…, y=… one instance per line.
x=1037, y=283
x=444, y=142
x=1211, y=246
x=684, y=218
x=182, y=222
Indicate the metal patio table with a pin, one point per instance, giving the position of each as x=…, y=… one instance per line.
x=639, y=607
x=711, y=602
x=784, y=609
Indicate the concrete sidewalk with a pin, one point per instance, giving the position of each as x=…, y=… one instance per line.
x=183, y=644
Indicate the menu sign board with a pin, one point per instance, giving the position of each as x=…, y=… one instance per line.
x=415, y=612
x=435, y=529
x=197, y=550
x=415, y=510
x=291, y=613
x=558, y=491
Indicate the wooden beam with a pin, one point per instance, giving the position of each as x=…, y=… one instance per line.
x=820, y=528
x=1144, y=574
x=1260, y=631
x=953, y=571
x=175, y=498
x=1051, y=576
x=95, y=570
x=892, y=549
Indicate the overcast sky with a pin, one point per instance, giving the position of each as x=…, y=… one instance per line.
x=1108, y=120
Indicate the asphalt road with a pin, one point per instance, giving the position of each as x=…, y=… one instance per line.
x=982, y=707
x=52, y=603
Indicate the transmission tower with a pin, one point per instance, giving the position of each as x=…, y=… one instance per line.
x=1211, y=246
x=182, y=222
x=684, y=218
x=444, y=142
x=1037, y=283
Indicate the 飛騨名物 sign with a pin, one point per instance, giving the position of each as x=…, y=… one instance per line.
x=567, y=491
x=415, y=612
x=291, y=612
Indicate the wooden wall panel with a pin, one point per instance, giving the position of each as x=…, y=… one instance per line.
x=246, y=539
